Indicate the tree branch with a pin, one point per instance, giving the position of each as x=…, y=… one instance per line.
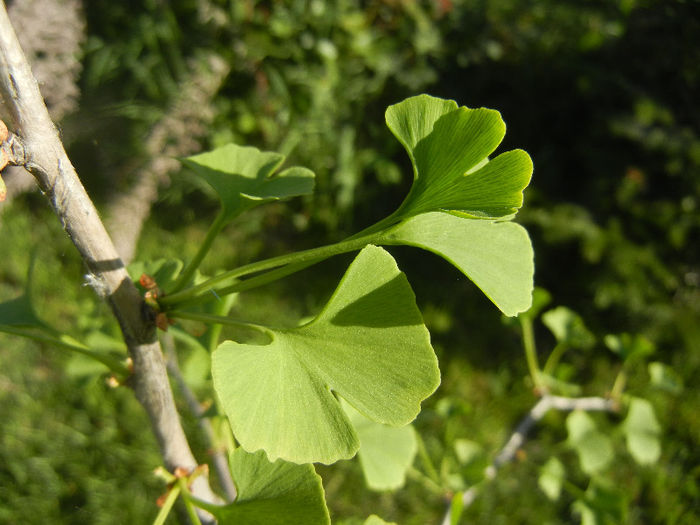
x=46, y=159
x=517, y=439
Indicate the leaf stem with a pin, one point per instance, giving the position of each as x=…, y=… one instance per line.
x=554, y=358
x=214, y=230
x=173, y=493
x=189, y=505
x=531, y=353
x=297, y=261
x=430, y=469
x=217, y=319
x=116, y=366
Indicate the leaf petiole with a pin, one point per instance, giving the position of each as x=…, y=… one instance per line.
x=219, y=222
x=296, y=261
x=116, y=366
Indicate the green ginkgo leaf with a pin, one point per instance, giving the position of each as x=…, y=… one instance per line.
x=386, y=453
x=594, y=449
x=449, y=148
x=642, y=432
x=496, y=256
x=244, y=176
x=280, y=492
x=368, y=345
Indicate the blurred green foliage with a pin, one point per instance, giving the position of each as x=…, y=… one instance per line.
x=603, y=95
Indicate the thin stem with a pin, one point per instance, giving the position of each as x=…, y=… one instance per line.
x=217, y=319
x=554, y=358
x=173, y=493
x=204, y=247
x=302, y=259
x=191, y=510
x=619, y=385
x=424, y=480
x=531, y=353
x=116, y=366
x=430, y=469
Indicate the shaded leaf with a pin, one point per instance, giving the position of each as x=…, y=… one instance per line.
x=642, y=431
x=449, y=148
x=244, y=177
x=385, y=452
x=496, y=256
x=568, y=327
x=368, y=345
x=281, y=493
x=664, y=377
x=602, y=505
x=594, y=448
x=630, y=347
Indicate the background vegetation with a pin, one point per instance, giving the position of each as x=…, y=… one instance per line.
x=603, y=95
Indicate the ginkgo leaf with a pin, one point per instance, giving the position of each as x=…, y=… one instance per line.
x=244, y=176
x=496, y=256
x=449, y=148
x=368, y=345
x=594, y=449
x=642, y=432
x=385, y=452
x=280, y=492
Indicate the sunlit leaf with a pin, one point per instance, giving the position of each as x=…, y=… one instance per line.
x=496, y=256
x=376, y=520
x=244, y=177
x=449, y=148
x=594, y=448
x=551, y=478
x=642, y=431
x=385, y=452
x=368, y=345
x=280, y=492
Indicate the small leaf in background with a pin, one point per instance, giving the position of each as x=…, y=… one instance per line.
x=642, y=431
x=594, y=448
x=568, y=327
x=449, y=148
x=629, y=347
x=244, y=177
x=467, y=450
x=368, y=345
x=665, y=378
x=601, y=505
x=281, y=493
x=385, y=452
x=376, y=520
x=551, y=478
x=496, y=256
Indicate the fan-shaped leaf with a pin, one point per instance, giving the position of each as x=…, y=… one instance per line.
x=368, y=345
x=496, y=256
x=243, y=177
x=385, y=452
x=449, y=148
x=279, y=492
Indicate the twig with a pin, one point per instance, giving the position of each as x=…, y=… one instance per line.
x=47, y=160
x=219, y=459
x=517, y=439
